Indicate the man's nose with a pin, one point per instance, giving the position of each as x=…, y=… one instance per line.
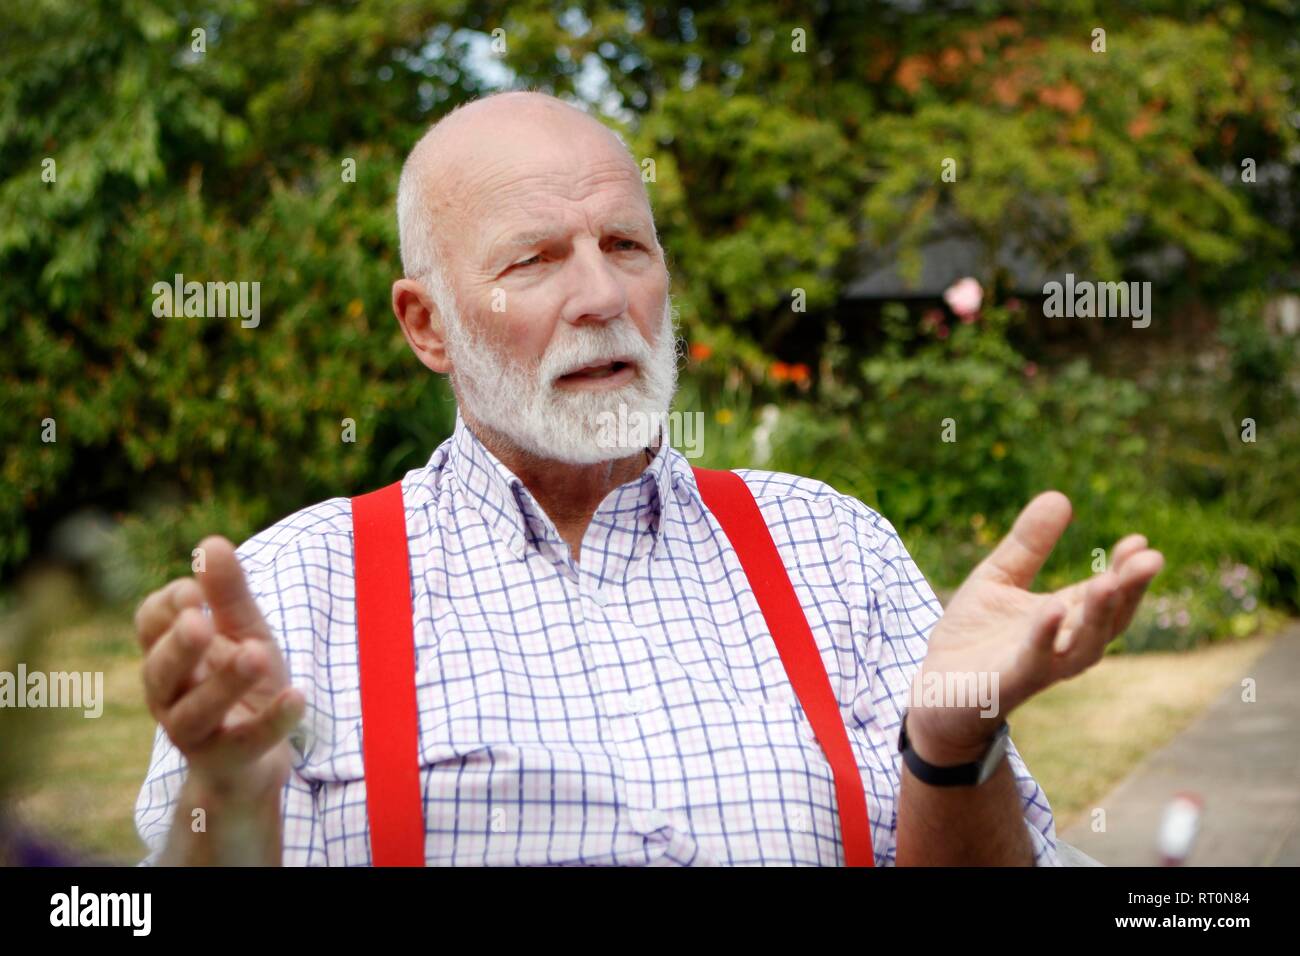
x=599, y=293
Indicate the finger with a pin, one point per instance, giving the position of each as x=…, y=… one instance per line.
x=1125, y=548
x=1136, y=575
x=234, y=611
x=158, y=612
x=174, y=658
x=1073, y=594
x=1084, y=641
x=276, y=721
x=199, y=713
x=1047, y=623
x=1022, y=552
x=220, y=651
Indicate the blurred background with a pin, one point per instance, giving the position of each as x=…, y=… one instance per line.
x=861, y=202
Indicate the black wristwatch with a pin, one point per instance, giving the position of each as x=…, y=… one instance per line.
x=962, y=775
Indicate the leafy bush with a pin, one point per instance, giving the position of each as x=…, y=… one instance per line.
x=1019, y=429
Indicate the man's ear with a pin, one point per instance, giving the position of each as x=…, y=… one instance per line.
x=421, y=324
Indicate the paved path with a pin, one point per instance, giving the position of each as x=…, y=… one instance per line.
x=1243, y=759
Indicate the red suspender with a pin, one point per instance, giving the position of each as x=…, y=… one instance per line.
x=727, y=496
x=386, y=651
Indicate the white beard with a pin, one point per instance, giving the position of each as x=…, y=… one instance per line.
x=522, y=404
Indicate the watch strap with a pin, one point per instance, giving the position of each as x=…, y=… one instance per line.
x=961, y=775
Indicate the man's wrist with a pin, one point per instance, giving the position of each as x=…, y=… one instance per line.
x=945, y=753
x=249, y=786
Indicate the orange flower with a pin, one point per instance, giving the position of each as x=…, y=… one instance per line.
x=700, y=351
x=799, y=374
x=780, y=371
x=1067, y=97
x=911, y=72
x=1140, y=125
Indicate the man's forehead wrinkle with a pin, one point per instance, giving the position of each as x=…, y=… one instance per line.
x=501, y=188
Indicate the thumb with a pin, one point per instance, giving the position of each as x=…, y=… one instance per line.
x=234, y=612
x=1020, y=555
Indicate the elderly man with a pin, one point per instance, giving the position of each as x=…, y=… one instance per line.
x=542, y=648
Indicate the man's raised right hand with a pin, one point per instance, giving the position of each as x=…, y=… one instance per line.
x=218, y=685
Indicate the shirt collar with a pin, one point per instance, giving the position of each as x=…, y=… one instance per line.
x=629, y=520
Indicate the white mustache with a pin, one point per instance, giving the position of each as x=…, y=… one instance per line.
x=587, y=347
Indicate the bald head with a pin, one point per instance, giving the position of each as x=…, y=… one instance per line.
x=469, y=151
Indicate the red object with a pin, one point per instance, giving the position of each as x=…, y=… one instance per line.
x=729, y=499
x=386, y=651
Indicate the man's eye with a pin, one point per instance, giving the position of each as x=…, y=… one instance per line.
x=631, y=243
x=531, y=260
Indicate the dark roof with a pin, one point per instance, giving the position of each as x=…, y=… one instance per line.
x=943, y=262
x=952, y=252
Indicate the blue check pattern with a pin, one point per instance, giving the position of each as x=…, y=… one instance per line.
x=628, y=709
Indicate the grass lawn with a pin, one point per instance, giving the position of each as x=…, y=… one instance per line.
x=83, y=775
x=1079, y=739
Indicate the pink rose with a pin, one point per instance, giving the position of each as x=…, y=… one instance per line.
x=964, y=297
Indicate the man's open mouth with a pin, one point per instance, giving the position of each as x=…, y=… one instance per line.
x=596, y=372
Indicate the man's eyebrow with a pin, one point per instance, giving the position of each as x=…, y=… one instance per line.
x=629, y=226
x=533, y=237
x=529, y=237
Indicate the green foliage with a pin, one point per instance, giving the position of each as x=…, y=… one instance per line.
x=221, y=166
x=1019, y=429
x=971, y=429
